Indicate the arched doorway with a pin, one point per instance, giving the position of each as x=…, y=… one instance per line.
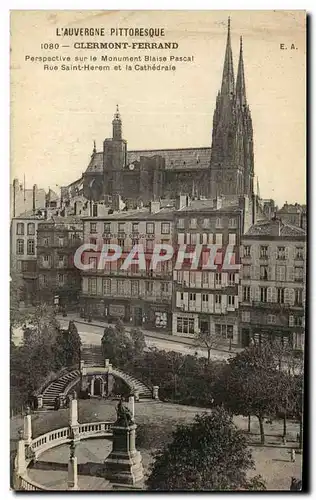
x=98, y=387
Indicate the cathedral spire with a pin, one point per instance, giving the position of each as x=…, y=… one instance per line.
x=240, y=82
x=94, y=148
x=228, y=71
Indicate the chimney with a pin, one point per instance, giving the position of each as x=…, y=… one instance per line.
x=34, y=197
x=154, y=207
x=182, y=201
x=117, y=203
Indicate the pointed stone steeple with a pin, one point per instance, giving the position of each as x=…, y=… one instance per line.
x=240, y=82
x=228, y=71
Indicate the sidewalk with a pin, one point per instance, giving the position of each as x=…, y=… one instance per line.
x=149, y=333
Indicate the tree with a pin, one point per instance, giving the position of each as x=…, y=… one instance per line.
x=68, y=346
x=138, y=339
x=209, y=454
x=250, y=385
x=117, y=345
x=208, y=340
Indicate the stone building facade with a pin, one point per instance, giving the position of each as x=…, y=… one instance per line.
x=207, y=299
x=272, y=291
x=140, y=297
x=225, y=168
x=58, y=278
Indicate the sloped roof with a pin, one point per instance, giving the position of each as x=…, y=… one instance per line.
x=176, y=159
x=275, y=227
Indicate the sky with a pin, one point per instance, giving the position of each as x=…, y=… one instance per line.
x=56, y=115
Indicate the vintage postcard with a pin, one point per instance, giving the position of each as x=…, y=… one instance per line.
x=158, y=250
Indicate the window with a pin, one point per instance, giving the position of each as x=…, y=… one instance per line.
x=280, y=295
x=298, y=274
x=232, y=222
x=271, y=319
x=231, y=279
x=60, y=241
x=164, y=287
x=164, y=267
x=232, y=238
x=263, y=252
x=93, y=261
x=231, y=300
x=149, y=245
x=43, y=279
x=246, y=293
x=106, y=287
x=263, y=294
x=218, y=279
x=218, y=239
x=120, y=287
x=180, y=223
x=46, y=258
x=92, y=286
x=31, y=229
x=218, y=299
x=281, y=253
x=121, y=227
x=245, y=316
x=60, y=261
x=299, y=253
x=224, y=331
x=135, y=288
x=280, y=273
x=204, y=297
x=135, y=242
x=165, y=228
x=19, y=265
x=46, y=242
x=185, y=325
x=192, y=297
x=149, y=287
x=246, y=271
x=263, y=272
x=60, y=278
x=107, y=227
x=247, y=251
x=193, y=223
x=95, y=210
x=218, y=223
x=150, y=228
x=20, y=247
x=204, y=278
x=20, y=228
x=299, y=321
x=181, y=296
x=135, y=227
x=206, y=223
x=121, y=243
x=93, y=241
x=30, y=247
x=93, y=227
x=298, y=297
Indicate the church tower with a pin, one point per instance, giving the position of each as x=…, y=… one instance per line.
x=231, y=163
x=114, y=157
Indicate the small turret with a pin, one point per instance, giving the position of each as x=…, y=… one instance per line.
x=117, y=125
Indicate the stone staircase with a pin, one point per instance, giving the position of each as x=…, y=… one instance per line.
x=57, y=387
x=135, y=384
x=92, y=355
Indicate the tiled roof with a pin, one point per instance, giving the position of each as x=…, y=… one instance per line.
x=274, y=228
x=176, y=159
x=137, y=214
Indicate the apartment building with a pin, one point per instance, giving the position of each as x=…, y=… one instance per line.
x=273, y=277
x=24, y=254
x=58, y=279
x=141, y=297
x=207, y=299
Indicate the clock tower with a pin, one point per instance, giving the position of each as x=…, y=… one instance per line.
x=114, y=157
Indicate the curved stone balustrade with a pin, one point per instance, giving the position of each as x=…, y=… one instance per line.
x=56, y=438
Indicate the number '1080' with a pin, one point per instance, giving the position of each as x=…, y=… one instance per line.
x=50, y=46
